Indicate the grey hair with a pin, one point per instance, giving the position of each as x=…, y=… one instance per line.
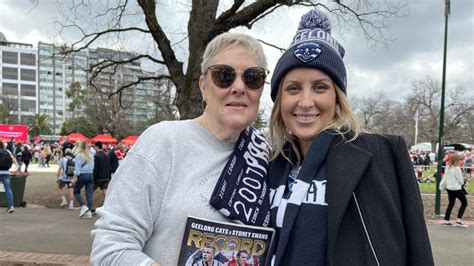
x=228, y=39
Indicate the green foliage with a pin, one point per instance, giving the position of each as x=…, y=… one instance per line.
x=79, y=125
x=77, y=96
x=40, y=124
x=4, y=114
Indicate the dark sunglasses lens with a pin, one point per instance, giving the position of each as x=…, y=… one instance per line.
x=254, y=78
x=223, y=76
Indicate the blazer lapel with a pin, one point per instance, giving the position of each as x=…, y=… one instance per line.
x=345, y=165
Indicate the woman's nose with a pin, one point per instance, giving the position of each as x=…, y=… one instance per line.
x=239, y=85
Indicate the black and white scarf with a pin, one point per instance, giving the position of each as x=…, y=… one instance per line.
x=285, y=208
x=242, y=193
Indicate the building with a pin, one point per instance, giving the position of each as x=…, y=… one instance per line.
x=138, y=99
x=56, y=73
x=18, y=80
x=37, y=80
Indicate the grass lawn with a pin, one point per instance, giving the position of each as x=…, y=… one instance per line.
x=431, y=188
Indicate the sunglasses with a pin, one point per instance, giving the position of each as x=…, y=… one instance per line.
x=223, y=76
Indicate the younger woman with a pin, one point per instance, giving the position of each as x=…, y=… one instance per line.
x=340, y=196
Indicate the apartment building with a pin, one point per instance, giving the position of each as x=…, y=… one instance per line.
x=139, y=99
x=56, y=73
x=18, y=80
x=36, y=80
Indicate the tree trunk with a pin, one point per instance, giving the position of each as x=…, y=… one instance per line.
x=201, y=20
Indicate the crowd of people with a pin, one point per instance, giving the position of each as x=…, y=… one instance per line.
x=88, y=166
x=425, y=163
x=76, y=161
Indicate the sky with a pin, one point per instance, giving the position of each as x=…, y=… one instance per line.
x=415, y=52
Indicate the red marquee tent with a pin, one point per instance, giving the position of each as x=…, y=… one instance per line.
x=104, y=138
x=75, y=137
x=130, y=140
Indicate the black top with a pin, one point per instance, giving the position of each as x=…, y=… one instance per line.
x=102, y=168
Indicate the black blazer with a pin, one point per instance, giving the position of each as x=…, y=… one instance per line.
x=375, y=211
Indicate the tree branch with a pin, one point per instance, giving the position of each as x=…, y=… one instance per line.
x=96, y=35
x=230, y=12
x=175, y=67
x=272, y=45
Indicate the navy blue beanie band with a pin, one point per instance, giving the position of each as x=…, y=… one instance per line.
x=312, y=47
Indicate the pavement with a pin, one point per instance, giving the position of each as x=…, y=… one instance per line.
x=36, y=235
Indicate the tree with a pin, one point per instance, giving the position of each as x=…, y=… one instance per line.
x=426, y=98
x=207, y=19
x=79, y=125
x=106, y=110
x=163, y=103
x=383, y=115
x=77, y=96
x=8, y=105
x=40, y=124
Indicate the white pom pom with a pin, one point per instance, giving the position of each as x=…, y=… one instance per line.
x=315, y=19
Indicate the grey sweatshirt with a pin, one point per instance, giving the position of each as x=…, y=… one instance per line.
x=169, y=174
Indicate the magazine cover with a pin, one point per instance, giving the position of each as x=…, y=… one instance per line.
x=208, y=242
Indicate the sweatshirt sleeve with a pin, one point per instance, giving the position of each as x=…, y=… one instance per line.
x=129, y=213
x=418, y=246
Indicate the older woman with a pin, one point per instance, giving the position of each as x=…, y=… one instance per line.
x=339, y=196
x=171, y=171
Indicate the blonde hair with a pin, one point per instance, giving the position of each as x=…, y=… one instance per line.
x=454, y=160
x=344, y=121
x=83, y=151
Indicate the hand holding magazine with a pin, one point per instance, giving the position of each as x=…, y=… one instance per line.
x=207, y=242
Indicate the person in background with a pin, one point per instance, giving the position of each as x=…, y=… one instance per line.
x=18, y=153
x=340, y=196
x=468, y=165
x=119, y=152
x=64, y=178
x=67, y=145
x=43, y=156
x=454, y=183
x=48, y=151
x=92, y=150
x=83, y=177
x=102, y=168
x=11, y=145
x=171, y=171
x=26, y=157
x=6, y=161
x=114, y=161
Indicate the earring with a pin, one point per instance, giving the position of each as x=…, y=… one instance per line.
x=204, y=105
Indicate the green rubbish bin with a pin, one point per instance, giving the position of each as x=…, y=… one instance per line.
x=17, y=184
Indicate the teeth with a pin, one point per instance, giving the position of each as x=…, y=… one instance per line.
x=306, y=117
